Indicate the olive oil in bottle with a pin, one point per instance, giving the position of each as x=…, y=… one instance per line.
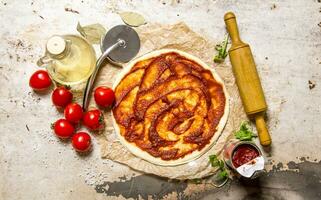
x=69, y=59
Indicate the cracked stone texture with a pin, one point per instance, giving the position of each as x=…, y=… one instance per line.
x=284, y=37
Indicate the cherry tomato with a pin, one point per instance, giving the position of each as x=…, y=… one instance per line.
x=104, y=96
x=63, y=128
x=94, y=119
x=61, y=97
x=40, y=80
x=81, y=141
x=73, y=112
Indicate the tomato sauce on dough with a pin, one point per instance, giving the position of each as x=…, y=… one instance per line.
x=169, y=106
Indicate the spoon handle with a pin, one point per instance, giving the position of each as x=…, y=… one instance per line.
x=92, y=78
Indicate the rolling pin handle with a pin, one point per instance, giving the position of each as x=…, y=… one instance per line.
x=231, y=25
x=263, y=133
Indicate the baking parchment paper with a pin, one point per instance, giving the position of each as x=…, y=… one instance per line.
x=177, y=36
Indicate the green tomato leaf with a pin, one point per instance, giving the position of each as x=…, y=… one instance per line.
x=218, y=59
x=222, y=53
x=101, y=118
x=52, y=125
x=218, y=47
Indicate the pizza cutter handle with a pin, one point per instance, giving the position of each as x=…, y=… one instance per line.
x=92, y=78
x=264, y=136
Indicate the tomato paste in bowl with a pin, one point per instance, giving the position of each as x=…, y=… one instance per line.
x=244, y=157
x=243, y=154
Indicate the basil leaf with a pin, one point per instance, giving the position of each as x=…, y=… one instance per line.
x=223, y=174
x=244, y=134
x=215, y=162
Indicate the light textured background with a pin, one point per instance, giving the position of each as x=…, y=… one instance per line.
x=34, y=164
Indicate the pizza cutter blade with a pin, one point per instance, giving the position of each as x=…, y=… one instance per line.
x=120, y=45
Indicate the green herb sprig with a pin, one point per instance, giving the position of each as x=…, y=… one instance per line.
x=215, y=162
x=222, y=53
x=244, y=134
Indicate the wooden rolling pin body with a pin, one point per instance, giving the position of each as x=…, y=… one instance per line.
x=247, y=79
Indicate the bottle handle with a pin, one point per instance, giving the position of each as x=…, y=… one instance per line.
x=68, y=41
x=47, y=59
x=43, y=61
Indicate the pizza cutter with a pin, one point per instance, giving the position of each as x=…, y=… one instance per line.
x=120, y=45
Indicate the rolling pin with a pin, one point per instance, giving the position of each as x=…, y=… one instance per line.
x=247, y=79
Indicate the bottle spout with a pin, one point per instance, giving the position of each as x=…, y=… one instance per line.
x=55, y=47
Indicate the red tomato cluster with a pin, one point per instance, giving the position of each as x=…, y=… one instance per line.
x=40, y=80
x=61, y=97
x=104, y=96
x=74, y=116
x=94, y=120
x=73, y=113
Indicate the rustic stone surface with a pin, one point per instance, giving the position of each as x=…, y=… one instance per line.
x=284, y=37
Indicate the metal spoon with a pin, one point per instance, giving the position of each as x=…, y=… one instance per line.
x=120, y=45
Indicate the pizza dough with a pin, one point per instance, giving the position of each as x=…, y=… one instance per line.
x=170, y=107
